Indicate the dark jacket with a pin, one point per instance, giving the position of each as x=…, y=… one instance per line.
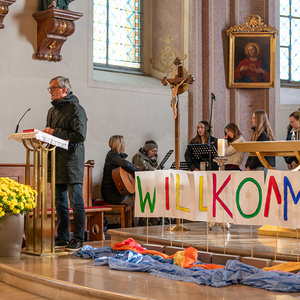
x=253, y=162
x=68, y=119
x=109, y=190
x=194, y=163
x=290, y=159
x=145, y=162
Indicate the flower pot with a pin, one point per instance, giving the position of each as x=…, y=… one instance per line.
x=11, y=235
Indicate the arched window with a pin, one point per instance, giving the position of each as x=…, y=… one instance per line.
x=117, y=35
x=290, y=42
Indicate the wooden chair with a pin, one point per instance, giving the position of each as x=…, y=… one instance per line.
x=122, y=211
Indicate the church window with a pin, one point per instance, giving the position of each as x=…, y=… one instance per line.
x=290, y=42
x=117, y=35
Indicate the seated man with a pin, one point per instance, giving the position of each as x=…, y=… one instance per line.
x=146, y=158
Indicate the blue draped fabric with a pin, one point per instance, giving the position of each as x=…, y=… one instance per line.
x=235, y=272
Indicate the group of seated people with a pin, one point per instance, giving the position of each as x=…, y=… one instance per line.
x=146, y=158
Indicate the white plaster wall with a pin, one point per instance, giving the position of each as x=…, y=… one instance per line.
x=134, y=106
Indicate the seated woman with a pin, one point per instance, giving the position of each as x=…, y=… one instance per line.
x=146, y=158
x=116, y=158
x=262, y=131
x=234, y=158
x=292, y=131
x=201, y=138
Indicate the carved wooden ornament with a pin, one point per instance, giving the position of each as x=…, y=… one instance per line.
x=4, y=4
x=53, y=27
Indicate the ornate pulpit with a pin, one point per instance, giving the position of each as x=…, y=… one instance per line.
x=40, y=230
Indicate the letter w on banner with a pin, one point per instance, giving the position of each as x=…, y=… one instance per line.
x=145, y=194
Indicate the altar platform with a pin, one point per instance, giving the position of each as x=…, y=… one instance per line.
x=69, y=277
x=237, y=240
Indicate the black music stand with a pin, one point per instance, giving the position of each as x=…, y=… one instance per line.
x=201, y=151
x=183, y=166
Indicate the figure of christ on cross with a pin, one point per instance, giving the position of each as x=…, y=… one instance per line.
x=178, y=84
x=174, y=99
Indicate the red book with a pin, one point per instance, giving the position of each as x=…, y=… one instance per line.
x=30, y=130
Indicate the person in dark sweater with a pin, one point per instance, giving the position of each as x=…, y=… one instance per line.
x=292, y=131
x=262, y=131
x=201, y=138
x=116, y=158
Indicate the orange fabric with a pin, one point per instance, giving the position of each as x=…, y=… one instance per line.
x=185, y=259
x=128, y=244
x=208, y=266
x=291, y=266
x=153, y=252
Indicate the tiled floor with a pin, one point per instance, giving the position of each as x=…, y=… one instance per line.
x=69, y=277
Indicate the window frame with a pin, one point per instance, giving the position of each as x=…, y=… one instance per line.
x=121, y=69
x=289, y=82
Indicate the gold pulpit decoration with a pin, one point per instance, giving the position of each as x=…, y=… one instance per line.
x=40, y=230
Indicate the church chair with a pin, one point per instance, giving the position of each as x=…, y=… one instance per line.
x=122, y=211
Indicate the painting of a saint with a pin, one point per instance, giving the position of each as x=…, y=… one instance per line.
x=253, y=68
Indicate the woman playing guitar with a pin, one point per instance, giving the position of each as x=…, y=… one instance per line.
x=116, y=158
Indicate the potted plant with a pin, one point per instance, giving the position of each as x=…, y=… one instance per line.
x=16, y=199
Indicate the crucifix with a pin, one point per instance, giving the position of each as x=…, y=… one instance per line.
x=178, y=82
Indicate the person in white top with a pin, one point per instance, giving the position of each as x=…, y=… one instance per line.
x=234, y=158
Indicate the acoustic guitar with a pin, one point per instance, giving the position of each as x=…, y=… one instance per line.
x=124, y=181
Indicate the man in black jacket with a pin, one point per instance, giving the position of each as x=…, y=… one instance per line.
x=67, y=120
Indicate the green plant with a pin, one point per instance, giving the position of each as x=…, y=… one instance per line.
x=15, y=198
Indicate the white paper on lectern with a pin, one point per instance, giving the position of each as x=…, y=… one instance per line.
x=41, y=136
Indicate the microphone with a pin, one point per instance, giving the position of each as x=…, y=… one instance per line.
x=17, y=127
x=213, y=96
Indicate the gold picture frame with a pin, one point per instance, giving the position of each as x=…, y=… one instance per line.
x=252, y=50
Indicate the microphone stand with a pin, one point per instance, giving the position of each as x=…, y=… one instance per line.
x=213, y=97
x=17, y=127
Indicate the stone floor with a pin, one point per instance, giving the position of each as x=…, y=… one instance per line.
x=69, y=277
x=12, y=293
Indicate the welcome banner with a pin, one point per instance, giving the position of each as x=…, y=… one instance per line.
x=220, y=196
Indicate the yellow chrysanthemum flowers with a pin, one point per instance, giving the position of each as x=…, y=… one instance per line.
x=15, y=198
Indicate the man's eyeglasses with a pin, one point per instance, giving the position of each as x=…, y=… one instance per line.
x=52, y=88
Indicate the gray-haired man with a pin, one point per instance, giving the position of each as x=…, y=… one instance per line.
x=67, y=120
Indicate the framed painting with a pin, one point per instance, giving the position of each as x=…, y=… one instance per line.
x=252, y=59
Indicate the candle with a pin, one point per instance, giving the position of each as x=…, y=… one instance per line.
x=221, y=147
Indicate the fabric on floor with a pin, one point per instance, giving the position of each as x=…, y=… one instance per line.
x=154, y=263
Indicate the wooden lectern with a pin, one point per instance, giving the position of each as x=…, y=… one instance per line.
x=272, y=148
x=40, y=230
